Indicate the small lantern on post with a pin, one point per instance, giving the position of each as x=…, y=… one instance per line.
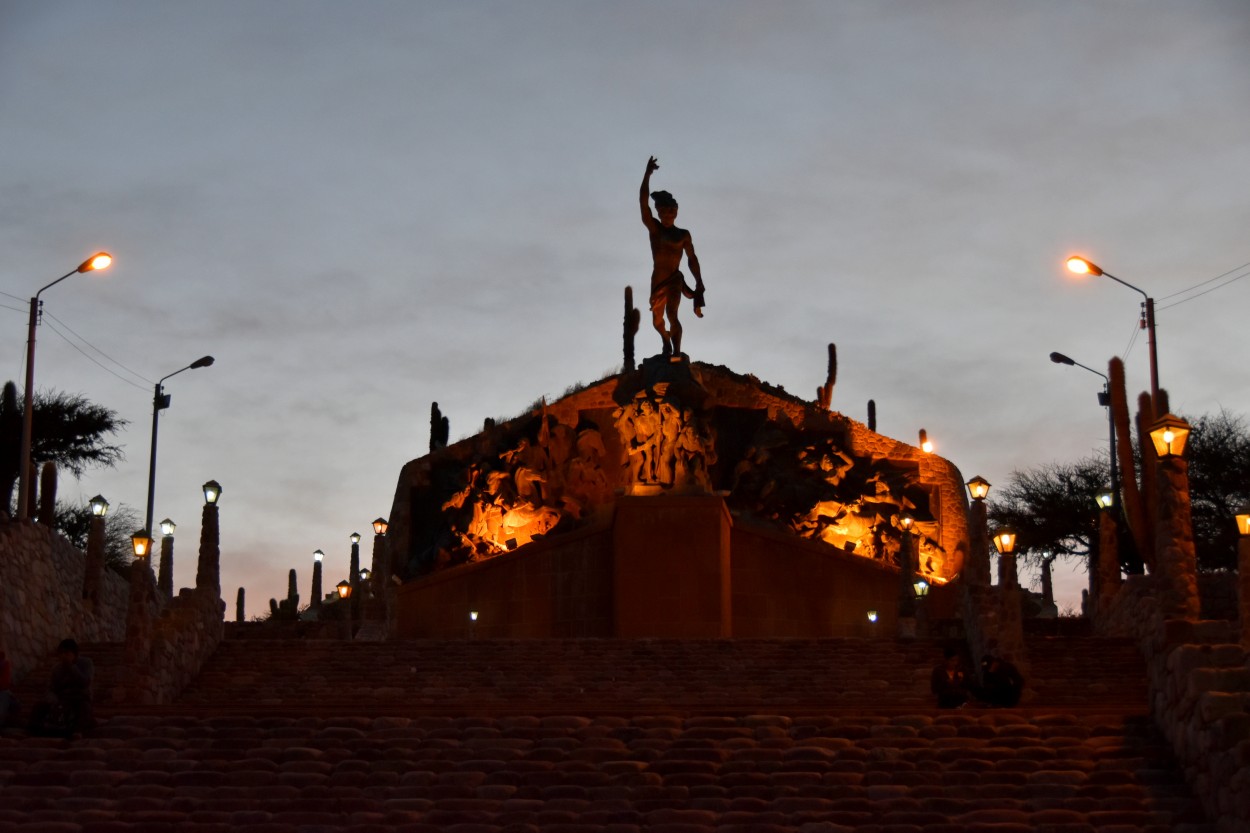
x=99, y=506
x=318, y=555
x=355, y=536
x=1243, y=521
x=365, y=575
x=141, y=541
x=168, y=527
x=1169, y=434
x=212, y=492
x=978, y=487
x=922, y=588
x=344, y=588
x=165, y=575
x=379, y=526
x=1243, y=571
x=1104, y=500
x=1005, y=543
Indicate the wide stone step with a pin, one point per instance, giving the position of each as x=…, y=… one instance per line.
x=928, y=772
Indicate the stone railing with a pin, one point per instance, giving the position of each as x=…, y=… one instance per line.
x=41, y=596
x=1199, y=695
x=178, y=643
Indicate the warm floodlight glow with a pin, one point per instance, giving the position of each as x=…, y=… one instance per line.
x=1005, y=542
x=99, y=506
x=1169, y=435
x=168, y=527
x=872, y=616
x=379, y=526
x=99, y=260
x=1105, y=500
x=318, y=555
x=1081, y=266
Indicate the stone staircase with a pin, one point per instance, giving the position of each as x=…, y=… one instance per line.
x=615, y=736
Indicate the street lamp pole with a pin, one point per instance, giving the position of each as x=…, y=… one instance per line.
x=160, y=401
x=1104, y=399
x=99, y=260
x=1081, y=266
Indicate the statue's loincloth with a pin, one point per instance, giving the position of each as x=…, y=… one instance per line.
x=667, y=289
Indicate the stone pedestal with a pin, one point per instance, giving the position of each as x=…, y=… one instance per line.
x=1107, y=574
x=94, y=570
x=1175, y=558
x=977, y=570
x=165, y=578
x=1243, y=588
x=671, y=567
x=208, y=570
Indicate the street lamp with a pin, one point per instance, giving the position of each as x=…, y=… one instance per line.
x=1169, y=435
x=1005, y=542
x=1104, y=399
x=345, y=589
x=922, y=588
x=168, y=527
x=99, y=260
x=1081, y=266
x=355, y=537
x=365, y=574
x=978, y=487
x=1105, y=500
x=160, y=401
x=212, y=492
x=142, y=543
x=379, y=526
x=99, y=506
x=318, y=555
x=1243, y=521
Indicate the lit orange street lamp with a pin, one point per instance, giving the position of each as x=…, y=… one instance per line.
x=99, y=260
x=1080, y=266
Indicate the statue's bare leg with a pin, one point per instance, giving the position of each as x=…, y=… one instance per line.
x=657, y=319
x=674, y=325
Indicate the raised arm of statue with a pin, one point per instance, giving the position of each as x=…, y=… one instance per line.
x=648, y=219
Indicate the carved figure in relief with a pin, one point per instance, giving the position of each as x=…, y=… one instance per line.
x=668, y=243
x=666, y=446
x=695, y=455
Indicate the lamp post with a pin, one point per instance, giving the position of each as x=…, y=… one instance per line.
x=344, y=589
x=1243, y=571
x=94, y=565
x=1104, y=399
x=160, y=401
x=353, y=574
x=977, y=571
x=165, y=576
x=1005, y=543
x=1104, y=577
x=138, y=607
x=1080, y=266
x=208, y=569
x=1175, y=557
x=380, y=603
x=315, y=602
x=99, y=260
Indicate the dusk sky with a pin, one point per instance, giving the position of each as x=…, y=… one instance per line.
x=361, y=208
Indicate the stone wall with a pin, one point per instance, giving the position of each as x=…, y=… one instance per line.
x=1199, y=696
x=41, y=579
x=181, y=640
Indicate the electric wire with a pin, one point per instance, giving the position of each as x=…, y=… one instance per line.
x=1200, y=294
x=139, y=376
x=1132, y=340
x=92, y=359
x=11, y=295
x=15, y=309
x=1204, y=283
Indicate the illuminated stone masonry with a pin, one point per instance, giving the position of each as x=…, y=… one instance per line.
x=669, y=428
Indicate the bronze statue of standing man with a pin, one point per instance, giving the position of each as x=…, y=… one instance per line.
x=667, y=282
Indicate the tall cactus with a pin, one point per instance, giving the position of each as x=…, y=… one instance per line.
x=1146, y=417
x=292, y=591
x=440, y=428
x=872, y=415
x=630, y=327
x=238, y=607
x=47, y=495
x=10, y=444
x=1134, y=513
x=824, y=393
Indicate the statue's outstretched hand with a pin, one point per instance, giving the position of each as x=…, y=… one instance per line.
x=652, y=165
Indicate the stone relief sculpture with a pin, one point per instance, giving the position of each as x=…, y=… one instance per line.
x=668, y=243
x=666, y=446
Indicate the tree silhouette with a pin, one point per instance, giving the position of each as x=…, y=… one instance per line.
x=67, y=429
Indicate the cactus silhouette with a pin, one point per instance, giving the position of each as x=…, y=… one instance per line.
x=440, y=428
x=47, y=495
x=238, y=607
x=1133, y=510
x=872, y=415
x=1146, y=417
x=824, y=393
x=630, y=325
